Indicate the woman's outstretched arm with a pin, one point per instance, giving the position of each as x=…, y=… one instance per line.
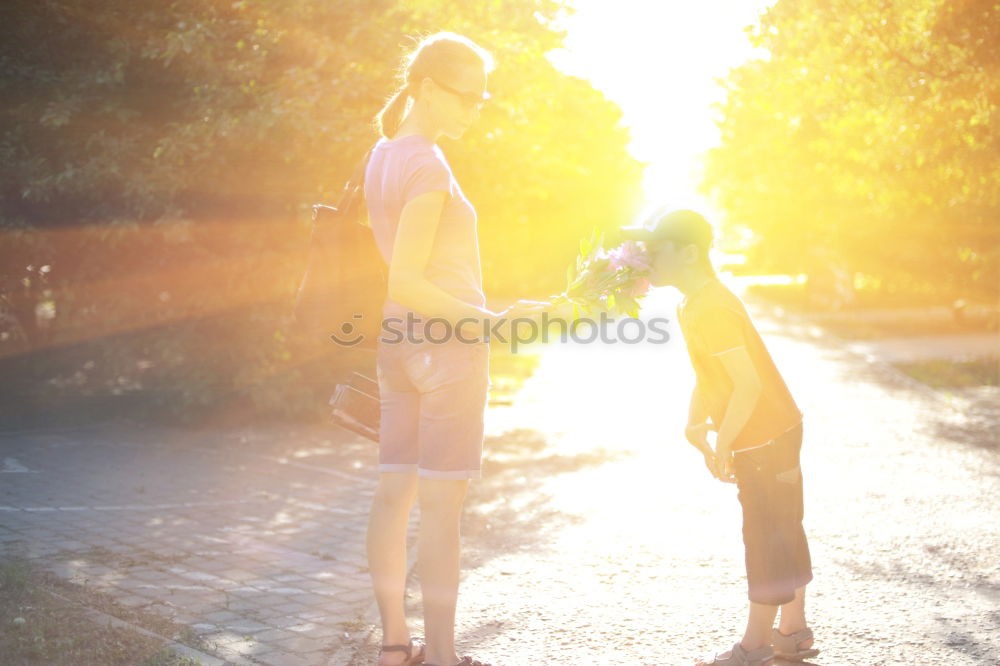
x=408, y=284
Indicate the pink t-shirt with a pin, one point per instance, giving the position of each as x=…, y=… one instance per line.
x=401, y=170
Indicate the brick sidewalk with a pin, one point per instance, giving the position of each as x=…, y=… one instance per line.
x=253, y=539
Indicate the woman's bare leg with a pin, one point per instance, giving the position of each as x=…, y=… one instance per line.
x=439, y=560
x=386, y=544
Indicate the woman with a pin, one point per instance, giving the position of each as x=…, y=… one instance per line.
x=433, y=385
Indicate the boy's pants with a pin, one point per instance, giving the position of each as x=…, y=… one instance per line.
x=769, y=480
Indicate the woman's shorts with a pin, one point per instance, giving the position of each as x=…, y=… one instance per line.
x=433, y=398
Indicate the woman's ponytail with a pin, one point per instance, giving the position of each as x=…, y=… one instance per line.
x=391, y=115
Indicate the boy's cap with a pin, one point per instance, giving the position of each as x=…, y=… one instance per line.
x=684, y=227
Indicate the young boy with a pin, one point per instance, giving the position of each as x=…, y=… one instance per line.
x=740, y=394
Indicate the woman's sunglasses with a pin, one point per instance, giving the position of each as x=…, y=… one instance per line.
x=468, y=99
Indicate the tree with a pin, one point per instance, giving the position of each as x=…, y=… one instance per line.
x=870, y=131
x=159, y=159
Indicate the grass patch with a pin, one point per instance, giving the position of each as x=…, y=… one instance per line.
x=508, y=372
x=38, y=628
x=875, y=315
x=852, y=327
x=954, y=374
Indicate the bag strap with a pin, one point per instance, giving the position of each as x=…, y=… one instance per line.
x=350, y=200
x=351, y=203
x=354, y=190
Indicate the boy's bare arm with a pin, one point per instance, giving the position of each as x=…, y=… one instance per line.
x=746, y=390
x=697, y=428
x=697, y=410
x=697, y=431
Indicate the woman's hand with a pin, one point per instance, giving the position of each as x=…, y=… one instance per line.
x=524, y=308
x=520, y=311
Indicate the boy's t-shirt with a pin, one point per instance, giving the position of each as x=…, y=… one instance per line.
x=401, y=170
x=714, y=322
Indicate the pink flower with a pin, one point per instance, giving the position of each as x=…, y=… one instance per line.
x=599, y=275
x=629, y=255
x=638, y=288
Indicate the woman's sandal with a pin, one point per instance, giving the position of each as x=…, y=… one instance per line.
x=787, y=647
x=411, y=658
x=466, y=661
x=762, y=656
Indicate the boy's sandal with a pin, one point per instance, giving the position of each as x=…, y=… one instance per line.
x=466, y=661
x=762, y=656
x=411, y=658
x=787, y=647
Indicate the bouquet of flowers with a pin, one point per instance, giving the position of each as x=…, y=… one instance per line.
x=614, y=279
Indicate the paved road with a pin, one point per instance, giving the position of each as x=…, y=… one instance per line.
x=598, y=537
x=595, y=536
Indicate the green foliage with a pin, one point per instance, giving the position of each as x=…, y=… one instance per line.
x=159, y=160
x=869, y=137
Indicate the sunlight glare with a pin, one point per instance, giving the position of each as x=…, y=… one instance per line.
x=660, y=62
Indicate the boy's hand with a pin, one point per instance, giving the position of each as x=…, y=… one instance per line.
x=724, y=466
x=710, y=463
x=697, y=435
